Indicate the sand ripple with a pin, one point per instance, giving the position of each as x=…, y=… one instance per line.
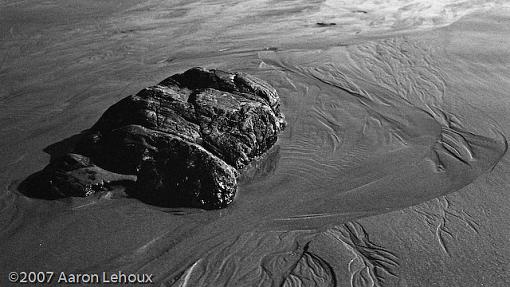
x=378, y=121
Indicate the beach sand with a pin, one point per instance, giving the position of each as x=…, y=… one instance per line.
x=393, y=170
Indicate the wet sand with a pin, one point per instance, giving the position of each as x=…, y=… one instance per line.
x=392, y=171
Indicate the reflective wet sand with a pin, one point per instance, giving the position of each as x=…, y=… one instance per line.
x=392, y=171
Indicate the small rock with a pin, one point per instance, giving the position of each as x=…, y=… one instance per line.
x=75, y=175
x=322, y=24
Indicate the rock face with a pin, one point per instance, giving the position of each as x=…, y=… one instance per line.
x=185, y=140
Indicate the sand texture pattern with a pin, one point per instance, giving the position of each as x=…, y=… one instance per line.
x=392, y=169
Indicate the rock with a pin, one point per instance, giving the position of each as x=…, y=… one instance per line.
x=185, y=174
x=235, y=116
x=200, y=78
x=159, y=108
x=184, y=140
x=262, y=167
x=239, y=115
x=171, y=171
x=75, y=175
x=235, y=127
x=322, y=24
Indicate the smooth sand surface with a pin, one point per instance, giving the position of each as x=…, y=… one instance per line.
x=393, y=170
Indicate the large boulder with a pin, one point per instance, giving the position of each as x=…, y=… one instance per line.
x=186, y=138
